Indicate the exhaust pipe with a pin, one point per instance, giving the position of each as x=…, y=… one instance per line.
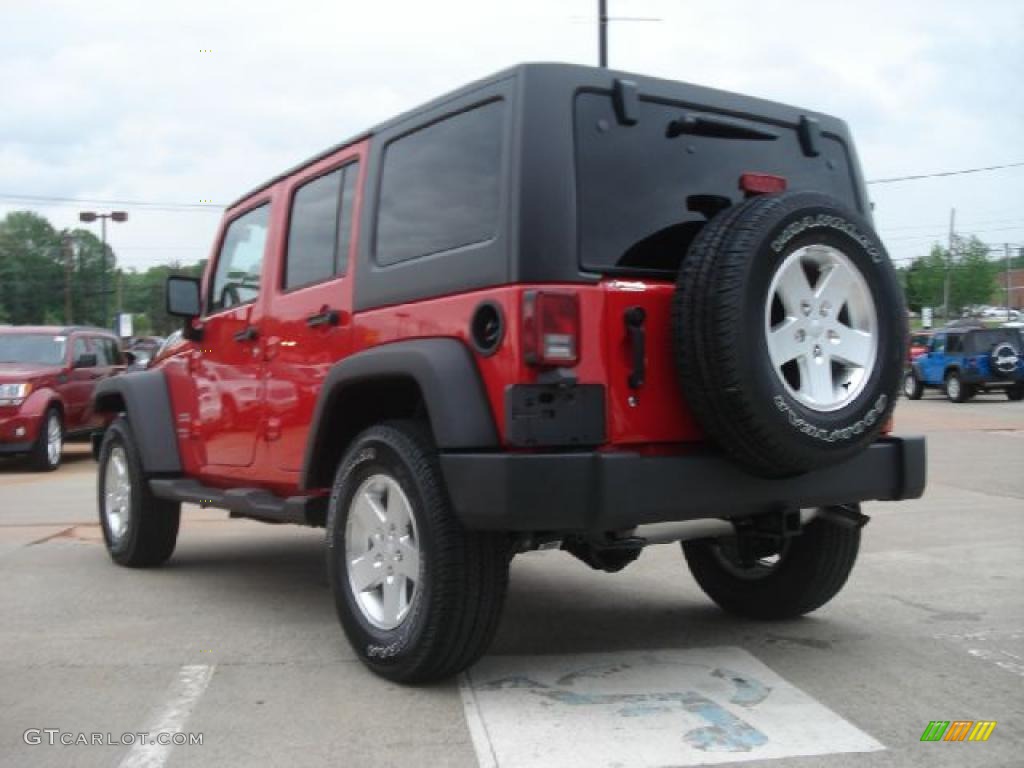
x=687, y=530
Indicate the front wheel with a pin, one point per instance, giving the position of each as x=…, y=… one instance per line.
x=49, y=445
x=419, y=596
x=140, y=530
x=789, y=580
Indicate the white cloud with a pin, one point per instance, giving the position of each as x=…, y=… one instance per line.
x=115, y=100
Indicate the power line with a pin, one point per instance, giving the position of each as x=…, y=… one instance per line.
x=944, y=173
x=54, y=200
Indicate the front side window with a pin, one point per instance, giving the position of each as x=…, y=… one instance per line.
x=440, y=186
x=80, y=349
x=240, y=262
x=939, y=344
x=320, y=228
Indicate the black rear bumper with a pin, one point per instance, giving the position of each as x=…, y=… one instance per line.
x=613, y=491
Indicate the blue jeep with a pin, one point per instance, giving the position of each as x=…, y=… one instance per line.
x=965, y=362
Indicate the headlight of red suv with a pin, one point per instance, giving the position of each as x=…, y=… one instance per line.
x=14, y=394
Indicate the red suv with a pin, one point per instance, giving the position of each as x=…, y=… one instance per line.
x=561, y=307
x=47, y=377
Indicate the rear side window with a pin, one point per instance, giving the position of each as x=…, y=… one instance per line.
x=320, y=228
x=440, y=186
x=240, y=263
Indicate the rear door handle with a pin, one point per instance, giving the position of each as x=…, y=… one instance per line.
x=325, y=317
x=249, y=333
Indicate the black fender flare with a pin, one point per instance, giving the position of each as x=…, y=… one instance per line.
x=143, y=396
x=447, y=377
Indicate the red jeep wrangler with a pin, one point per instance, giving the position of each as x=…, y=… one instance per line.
x=561, y=307
x=47, y=378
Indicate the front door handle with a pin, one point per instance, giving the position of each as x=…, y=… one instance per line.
x=326, y=316
x=249, y=333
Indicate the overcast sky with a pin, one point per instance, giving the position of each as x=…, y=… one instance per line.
x=110, y=100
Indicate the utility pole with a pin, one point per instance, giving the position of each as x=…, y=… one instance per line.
x=602, y=30
x=68, y=256
x=949, y=264
x=1006, y=252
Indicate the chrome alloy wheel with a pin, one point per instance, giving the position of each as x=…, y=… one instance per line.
x=821, y=327
x=117, y=494
x=382, y=554
x=54, y=439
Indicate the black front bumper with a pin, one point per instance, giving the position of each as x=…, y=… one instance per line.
x=614, y=491
x=15, y=448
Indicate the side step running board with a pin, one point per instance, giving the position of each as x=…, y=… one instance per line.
x=254, y=503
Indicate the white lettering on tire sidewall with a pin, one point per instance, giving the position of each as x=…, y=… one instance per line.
x=833, y=435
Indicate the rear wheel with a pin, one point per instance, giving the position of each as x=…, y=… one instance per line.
x=418, y=596
x=912, y=386
x=1016, y=392
x=140, y=530
x=956, y=390
x=796, y=577
x=49, y=445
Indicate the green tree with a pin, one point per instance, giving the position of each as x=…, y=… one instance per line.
x=972, y=276
x=30, y=268
x=925, y=278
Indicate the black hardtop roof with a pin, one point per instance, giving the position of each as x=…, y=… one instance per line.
x=590, y=77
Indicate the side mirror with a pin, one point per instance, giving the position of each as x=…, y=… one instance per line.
x=86, y=360
x=183, y=297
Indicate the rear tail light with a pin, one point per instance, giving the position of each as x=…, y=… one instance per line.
x=551, y=328
x=762, y=184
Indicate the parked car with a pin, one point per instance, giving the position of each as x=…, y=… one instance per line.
x=965, y=362
x=918, y=345
x=471, y=332
x=47, y=378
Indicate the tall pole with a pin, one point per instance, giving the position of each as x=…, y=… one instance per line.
x=602, y=33
x=103, y=264
x=1006, y=252
x=949, y=264
x=66, y=243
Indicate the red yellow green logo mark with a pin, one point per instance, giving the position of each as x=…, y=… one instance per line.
x=958, y=730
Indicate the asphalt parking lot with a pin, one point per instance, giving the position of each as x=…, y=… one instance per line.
x=237, y=639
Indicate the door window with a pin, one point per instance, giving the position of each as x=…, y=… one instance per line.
x=240, y=262
x=79, y=348
x=320, y=228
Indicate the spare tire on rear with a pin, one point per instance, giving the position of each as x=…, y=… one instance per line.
x=790, y=332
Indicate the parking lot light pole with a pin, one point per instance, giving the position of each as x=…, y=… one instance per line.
x=90, y=216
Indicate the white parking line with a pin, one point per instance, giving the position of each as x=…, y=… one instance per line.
x=170, y=717
x=631, y=710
